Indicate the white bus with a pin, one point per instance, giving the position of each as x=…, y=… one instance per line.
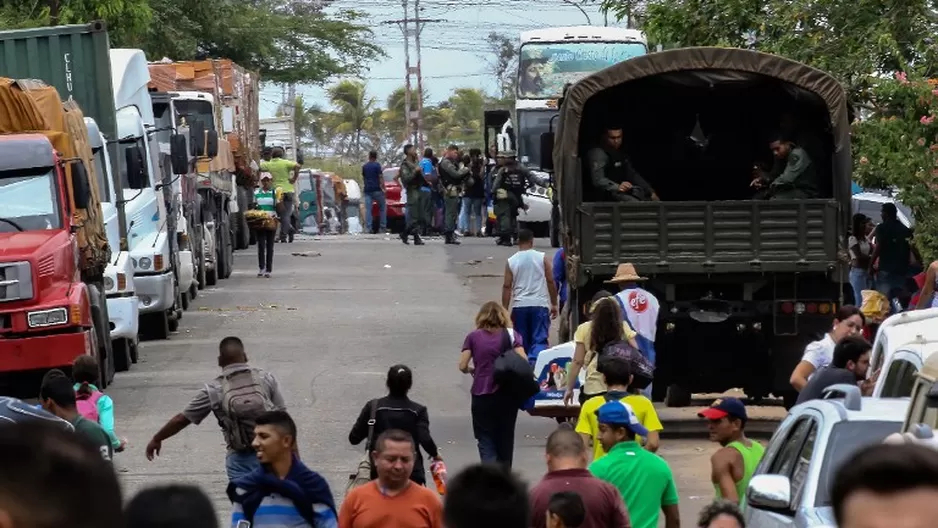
x=549, y=59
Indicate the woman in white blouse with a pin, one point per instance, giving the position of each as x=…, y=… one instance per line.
x=818, y=354
x=860, y=252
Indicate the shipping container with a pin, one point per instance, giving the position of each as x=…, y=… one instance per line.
x=73, y=59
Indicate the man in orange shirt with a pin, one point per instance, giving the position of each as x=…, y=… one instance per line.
x=392, y=500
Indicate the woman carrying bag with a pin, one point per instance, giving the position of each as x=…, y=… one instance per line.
x=263, y=219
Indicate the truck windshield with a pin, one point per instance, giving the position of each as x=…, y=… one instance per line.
x=545, y=67
x=29, y=198
x=164, y=122
x=531, y=124
x=194, y=111
x=101, y=174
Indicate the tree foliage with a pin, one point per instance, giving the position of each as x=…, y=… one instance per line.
x=292, y=42
x=503, y=64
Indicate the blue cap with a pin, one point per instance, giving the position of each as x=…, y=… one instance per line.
x=723, y=407
x=618, y=413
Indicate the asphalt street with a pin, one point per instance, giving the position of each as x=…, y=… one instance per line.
x=337, y=313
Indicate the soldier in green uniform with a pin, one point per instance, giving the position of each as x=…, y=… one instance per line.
x=794, y=176
x=511, y=180
x=412, y=179
x=452, y=177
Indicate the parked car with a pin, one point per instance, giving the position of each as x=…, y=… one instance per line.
x=791, y=486
x=394, y=196
x=903, y=343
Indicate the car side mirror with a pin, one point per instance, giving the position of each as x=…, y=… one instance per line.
x=197, y=138
x=136, y=175
x=211, y=144
x=770, y=492
x=81, y=186
x=547, y=151
x=179, y=154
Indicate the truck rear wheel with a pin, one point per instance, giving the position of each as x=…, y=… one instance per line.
x=155, y=325
x=121, y=351
x=554, y=227
x=211, y=277
x=677, y=396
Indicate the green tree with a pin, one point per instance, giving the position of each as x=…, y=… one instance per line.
x=354, y=116
x=504, y=66
x=123, y=17
x=458, y=119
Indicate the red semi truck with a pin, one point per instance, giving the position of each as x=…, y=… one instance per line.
x=53, y=247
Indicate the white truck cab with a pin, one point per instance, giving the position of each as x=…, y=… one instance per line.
x=151, y=250
x=122, y=302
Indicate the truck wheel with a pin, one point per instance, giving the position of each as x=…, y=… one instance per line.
x=228, y=249
x=121, y=351
x=200, y=263
x=193, y=292
x=185, y=300
x=134, y=348
x=211, y=277
x=172, y=323
x=244, y=232
x=103, y=339
x=155, y=325
x=677, y=396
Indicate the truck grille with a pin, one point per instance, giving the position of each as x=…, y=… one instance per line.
x=16, y=282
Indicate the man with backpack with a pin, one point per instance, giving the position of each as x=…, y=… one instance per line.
x=236, y=398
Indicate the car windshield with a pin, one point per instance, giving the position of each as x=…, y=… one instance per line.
x=531, y=124
x=847, y=438
x=192, y=111
x=390, y=174
x=29, y=199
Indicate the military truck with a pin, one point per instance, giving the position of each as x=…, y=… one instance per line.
x=743, y=283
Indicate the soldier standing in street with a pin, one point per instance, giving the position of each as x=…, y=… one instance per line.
x=413, y=180
x=452, y=177
x=511, y=180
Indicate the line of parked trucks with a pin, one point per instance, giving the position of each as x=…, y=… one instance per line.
x=122, y=187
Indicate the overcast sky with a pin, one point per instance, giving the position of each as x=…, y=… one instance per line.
x=454, y=51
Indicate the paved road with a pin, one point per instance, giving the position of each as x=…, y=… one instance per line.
x=329, y=326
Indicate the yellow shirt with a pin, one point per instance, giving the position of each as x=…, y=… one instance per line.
x=588, y=424
x=595, y=383
x=281, y=170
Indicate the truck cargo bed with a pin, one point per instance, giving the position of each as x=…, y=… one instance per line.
x=709, y=237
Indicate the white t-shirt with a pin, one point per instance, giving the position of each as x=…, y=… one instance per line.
x=529, y=287
x=864, y=248
x=819, y=353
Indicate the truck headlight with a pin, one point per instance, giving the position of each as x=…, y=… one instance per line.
x=144, y=263
x=41, y=318
x=108, y=283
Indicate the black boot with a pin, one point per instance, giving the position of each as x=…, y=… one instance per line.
x=417, y=241
x=451, y=238
x=405, y=234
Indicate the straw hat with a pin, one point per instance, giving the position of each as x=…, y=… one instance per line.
x=626, y=273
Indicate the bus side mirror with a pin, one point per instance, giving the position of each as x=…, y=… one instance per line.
x=547, y=151
x=211, y=146
x=136, y=175
x=178, y=154
x=81, y=187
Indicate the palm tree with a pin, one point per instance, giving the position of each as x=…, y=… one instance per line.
x=355, y=114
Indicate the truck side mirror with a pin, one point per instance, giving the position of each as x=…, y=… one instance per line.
x=81, y=186
x=211, y=146
x=136, y=176
x=547, y=151
x=197, y=138
x=178, y=154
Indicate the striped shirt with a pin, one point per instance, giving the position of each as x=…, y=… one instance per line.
x=265, y=200
x=277, y=511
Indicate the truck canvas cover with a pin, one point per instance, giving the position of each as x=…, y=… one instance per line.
x=701, y=236
x=31, y=106
x=232, y=86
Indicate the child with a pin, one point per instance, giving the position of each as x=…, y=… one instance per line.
x=618, y=378
x=565, y=510
x=93, y=404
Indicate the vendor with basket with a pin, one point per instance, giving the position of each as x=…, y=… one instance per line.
x=263, y=220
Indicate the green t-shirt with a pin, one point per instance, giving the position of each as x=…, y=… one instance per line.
x=642, y=477
x=281, y=170
x=96, y=434
x=893, y=240
x=752, y=455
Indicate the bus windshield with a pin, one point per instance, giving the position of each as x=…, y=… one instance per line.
x=545, y=67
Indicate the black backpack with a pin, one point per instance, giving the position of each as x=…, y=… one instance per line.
x=513, y=374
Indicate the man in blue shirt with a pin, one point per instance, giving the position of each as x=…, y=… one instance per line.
x=373, y=192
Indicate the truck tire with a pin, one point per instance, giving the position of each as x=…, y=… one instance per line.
x=185, y=300
x=244, y=232
x=121, y=350
x=227, y=247
x=200, y=263
x=102, y=325
x=554, y=227
x=96, y=347
x=134, y=351
x=155, y=325
x=211, y=276
x=677, y=396
x=172, y=323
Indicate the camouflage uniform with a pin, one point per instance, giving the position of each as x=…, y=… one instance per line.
x=412, y=180
x=452, y=179
x=511, y=180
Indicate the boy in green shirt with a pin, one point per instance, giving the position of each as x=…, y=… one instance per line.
x=642, y=477
x=58, y=397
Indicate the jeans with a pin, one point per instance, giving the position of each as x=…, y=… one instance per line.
x=859, y=281
x=493, y=425
x=533, y=324
x=470, y=215
x=887, y=281
x=286, y=217
x=370, y=198
x=239, y=464
x=265, y=249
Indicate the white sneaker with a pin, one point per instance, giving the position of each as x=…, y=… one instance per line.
x=260, y=273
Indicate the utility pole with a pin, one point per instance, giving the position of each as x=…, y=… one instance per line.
x=411, y=27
